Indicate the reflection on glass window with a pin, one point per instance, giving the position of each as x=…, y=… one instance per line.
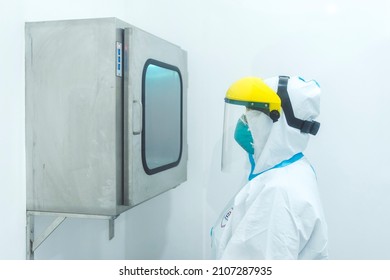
x=162, y=116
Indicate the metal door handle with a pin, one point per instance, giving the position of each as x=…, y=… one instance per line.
x=139, y=130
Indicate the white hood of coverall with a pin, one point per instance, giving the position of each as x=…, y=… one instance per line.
x=285, y=141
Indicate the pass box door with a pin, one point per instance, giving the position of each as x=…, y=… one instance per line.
x=156, y=134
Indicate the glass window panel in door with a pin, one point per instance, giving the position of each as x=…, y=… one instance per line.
x=162, y=116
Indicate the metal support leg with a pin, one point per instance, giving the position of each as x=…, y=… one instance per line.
x=111, y=228
x=49, y=230
x=29, y=236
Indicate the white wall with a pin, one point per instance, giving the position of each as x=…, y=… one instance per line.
x=343, y=44
x=12, y=175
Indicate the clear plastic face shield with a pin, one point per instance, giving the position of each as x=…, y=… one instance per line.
x=245, y=133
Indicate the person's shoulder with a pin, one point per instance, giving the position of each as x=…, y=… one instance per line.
x=296, y=180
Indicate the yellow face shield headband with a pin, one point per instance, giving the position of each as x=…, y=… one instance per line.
x=254, y=94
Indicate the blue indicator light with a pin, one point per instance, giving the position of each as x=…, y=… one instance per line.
x=119, y=51
x=119, y=67
x=119, y=59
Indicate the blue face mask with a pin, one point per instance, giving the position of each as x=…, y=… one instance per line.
x=243, y=136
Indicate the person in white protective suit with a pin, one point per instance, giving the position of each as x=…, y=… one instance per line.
x=278, y=213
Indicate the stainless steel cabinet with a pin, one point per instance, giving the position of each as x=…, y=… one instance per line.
x=105, y=116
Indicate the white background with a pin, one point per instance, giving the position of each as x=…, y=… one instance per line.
x=343, y=44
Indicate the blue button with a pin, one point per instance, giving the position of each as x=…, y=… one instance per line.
x=119, y=67
x=119, y=59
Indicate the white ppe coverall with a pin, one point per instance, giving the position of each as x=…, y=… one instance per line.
x=278, y=213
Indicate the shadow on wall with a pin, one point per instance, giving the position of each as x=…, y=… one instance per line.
x=146, y=229
x=140, y=233
x=78, y=239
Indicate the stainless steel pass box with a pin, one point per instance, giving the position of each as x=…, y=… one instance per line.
x=106, y=116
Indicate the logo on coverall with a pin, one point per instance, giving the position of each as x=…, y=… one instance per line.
x=225, y=218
